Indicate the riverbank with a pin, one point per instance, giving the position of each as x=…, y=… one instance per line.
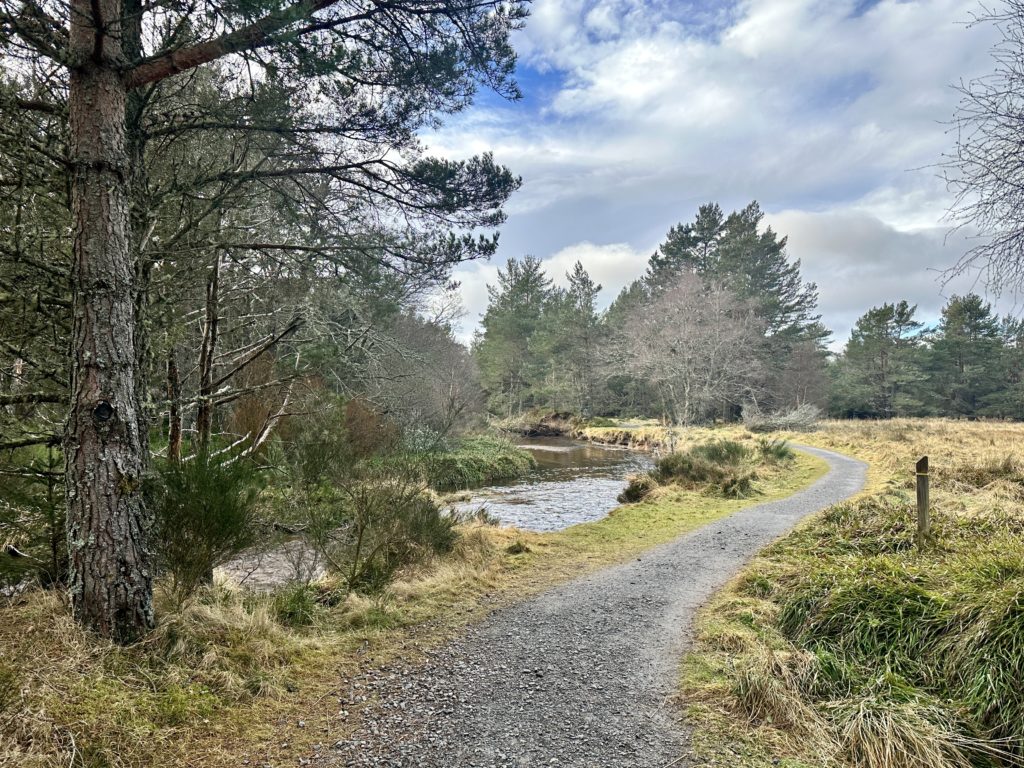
x=844, y=644
x=636, y=434
x=269, y=678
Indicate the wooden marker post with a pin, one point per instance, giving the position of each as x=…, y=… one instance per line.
x=923, y=517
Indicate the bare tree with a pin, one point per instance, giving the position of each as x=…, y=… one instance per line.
x=986, y=170
x=698, y=344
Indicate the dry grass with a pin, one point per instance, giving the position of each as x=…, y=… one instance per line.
x=236, y=676
x=845, y=645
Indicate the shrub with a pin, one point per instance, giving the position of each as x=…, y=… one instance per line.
x=33, y=548
x=774, y=450
x=369, y=433
x=377, y=521
x=205, y=515
x=296, y=605
x=803, y=418
x=637, y=487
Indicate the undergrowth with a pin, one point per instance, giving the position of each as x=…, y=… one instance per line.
x=235, y=678
x=474, y=462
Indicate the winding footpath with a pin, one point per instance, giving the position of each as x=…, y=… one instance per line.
x=582, y=674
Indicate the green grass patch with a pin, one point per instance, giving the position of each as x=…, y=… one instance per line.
x=887, y=655
x=474, y=462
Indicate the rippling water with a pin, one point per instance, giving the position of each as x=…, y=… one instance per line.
x=573, y=483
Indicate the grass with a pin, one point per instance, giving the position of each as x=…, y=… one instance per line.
x=474, y=462
x=846, y=645
x=268, y=679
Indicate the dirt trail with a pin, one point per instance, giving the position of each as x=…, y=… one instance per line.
x=579, y=675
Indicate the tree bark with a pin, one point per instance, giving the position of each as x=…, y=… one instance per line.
x=111, y=578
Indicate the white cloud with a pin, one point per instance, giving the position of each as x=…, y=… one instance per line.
x=859, y=262
x=646, y=108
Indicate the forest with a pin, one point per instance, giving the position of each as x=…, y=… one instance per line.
x=721, y=326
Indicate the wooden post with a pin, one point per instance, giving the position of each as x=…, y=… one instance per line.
x=923, y=517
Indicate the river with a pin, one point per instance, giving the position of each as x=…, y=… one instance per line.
x=573, y=482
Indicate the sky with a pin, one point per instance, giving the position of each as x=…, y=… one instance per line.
x=832, y=114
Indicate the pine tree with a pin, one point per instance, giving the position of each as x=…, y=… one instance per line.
x=965, y=364
x=509, y=347
x=354, y=82
x=879, y=373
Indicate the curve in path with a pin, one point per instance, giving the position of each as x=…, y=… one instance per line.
x=581, y=674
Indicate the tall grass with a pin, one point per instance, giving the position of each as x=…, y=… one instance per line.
x=720, y=467
x=887, y=655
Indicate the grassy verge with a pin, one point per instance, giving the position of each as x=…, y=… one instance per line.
x=270, y=679
x=844, y=644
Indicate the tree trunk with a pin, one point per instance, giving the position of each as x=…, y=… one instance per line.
x=207, y=356
x=111, y=578
x=174, y=416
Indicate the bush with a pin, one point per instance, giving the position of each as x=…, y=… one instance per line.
x=33, y=547
x=377, y=521
x=204, y=515
x=296, y=605
x=774, y=450
x=637, y=487
x=803, y=418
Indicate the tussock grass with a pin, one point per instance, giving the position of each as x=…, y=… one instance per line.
x=473, y=462
x=721, y=467
x=895, y=657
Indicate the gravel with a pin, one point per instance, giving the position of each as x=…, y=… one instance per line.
x=580, y=675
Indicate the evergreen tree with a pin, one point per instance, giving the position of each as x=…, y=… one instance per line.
x=966, y=361
x=509, y=347
x=879, y=374
x=103, y=82
x=580, y=338
x=687, y=248
x=1007, y=401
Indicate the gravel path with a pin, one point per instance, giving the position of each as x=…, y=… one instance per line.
x=579, y=675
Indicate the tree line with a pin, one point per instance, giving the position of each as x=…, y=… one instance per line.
x=722, y=321
x=721, y=318
x=970, y=364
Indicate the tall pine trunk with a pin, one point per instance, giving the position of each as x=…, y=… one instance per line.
x=111, y=578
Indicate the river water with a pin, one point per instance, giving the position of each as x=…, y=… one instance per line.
x=573, y=483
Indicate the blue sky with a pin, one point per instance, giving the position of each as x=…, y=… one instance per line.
x=829, y=113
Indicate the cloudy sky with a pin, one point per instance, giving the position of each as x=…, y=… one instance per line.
x=828, y=112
